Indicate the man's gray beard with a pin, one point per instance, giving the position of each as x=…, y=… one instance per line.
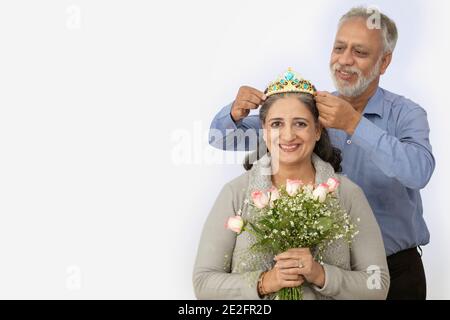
x=361, y=84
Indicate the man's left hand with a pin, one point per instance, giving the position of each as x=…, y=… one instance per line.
x=336, y=113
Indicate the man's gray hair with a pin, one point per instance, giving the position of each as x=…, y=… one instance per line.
x=375, y=19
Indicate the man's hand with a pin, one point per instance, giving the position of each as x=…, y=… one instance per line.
x=247, y=98
x=337, y=113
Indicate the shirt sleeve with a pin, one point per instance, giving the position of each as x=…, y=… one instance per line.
x=368, y=278
x=407, y=156
x=226, y=134
x=212, y=277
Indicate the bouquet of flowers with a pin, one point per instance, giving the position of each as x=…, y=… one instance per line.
x=295, y=216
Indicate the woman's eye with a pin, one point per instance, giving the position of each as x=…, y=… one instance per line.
x=275, y=124
x=301, y=124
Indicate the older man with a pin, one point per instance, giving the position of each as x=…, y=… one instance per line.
x=384, y=140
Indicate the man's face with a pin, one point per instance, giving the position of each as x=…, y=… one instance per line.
x=356, y=59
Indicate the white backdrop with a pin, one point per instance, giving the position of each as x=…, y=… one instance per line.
x=106, y=176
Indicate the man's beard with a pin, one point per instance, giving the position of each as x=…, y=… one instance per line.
x=361, y=84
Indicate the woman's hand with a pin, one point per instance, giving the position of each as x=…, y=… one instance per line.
x=277, y=279
x=299, y=261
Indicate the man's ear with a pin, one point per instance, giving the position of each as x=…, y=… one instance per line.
x=386, y=61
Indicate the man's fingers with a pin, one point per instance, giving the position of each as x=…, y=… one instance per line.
x=256, y=92
x=324, y=122
x=326, y=111
x=323, y=94
x=243, y=104
x=327, y=101
x=326, y=98
x=252, y=98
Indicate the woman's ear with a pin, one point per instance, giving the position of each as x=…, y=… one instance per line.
x=319, y=131
x=265, y=136
x=264, y=129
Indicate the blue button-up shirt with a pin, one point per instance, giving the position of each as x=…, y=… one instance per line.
x=389, y=156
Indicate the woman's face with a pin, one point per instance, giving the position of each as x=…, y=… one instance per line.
x=290, y=131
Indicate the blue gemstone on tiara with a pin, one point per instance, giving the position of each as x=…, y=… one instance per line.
x=289, y=75
x=290, y=81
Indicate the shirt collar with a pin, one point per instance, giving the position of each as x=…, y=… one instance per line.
x=375, y=104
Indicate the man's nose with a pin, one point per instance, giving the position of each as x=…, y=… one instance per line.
x=346, y=58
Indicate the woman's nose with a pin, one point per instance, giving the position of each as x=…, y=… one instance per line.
x=288, y=134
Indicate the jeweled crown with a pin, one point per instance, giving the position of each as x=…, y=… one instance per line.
x=290, y=81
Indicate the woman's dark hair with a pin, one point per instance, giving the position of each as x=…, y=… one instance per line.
x=324, y=149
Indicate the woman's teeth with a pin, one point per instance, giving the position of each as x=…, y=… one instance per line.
x=289, y=147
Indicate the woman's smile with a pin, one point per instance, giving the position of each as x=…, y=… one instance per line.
x=291, y=147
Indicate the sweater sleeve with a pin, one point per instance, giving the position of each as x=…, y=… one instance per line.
x=212, y=277
x=369, y=276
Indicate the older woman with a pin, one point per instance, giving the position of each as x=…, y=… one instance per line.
x=299, y=149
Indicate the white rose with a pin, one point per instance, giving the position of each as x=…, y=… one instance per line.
x=333, y=184
x=320, y=193
x=235, y=224
x=292, y=186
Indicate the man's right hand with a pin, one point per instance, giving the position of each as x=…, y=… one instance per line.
x=247, y=98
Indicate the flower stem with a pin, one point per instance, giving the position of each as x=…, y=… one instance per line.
x=290, y=293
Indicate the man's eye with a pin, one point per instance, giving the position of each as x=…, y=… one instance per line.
x=361, y=53
x=337, y=48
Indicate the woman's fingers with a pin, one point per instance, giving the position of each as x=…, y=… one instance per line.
x=289, y=271
x=287, y=264
x=292, y=284
x=294, y=253
x=290, y=277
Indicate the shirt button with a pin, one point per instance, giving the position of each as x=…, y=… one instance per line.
x=349, y=141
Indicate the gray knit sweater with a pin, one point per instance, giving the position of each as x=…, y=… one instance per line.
x=222, y=271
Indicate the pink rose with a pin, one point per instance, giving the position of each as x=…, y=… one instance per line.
x=274, y=194
x=260, y=199
x=333, y=184
x=320, y=193
x=235, y=224
x=292, y=186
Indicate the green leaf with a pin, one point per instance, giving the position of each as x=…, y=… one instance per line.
x=326, y=223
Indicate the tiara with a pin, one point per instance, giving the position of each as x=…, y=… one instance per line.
x=290, y=81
